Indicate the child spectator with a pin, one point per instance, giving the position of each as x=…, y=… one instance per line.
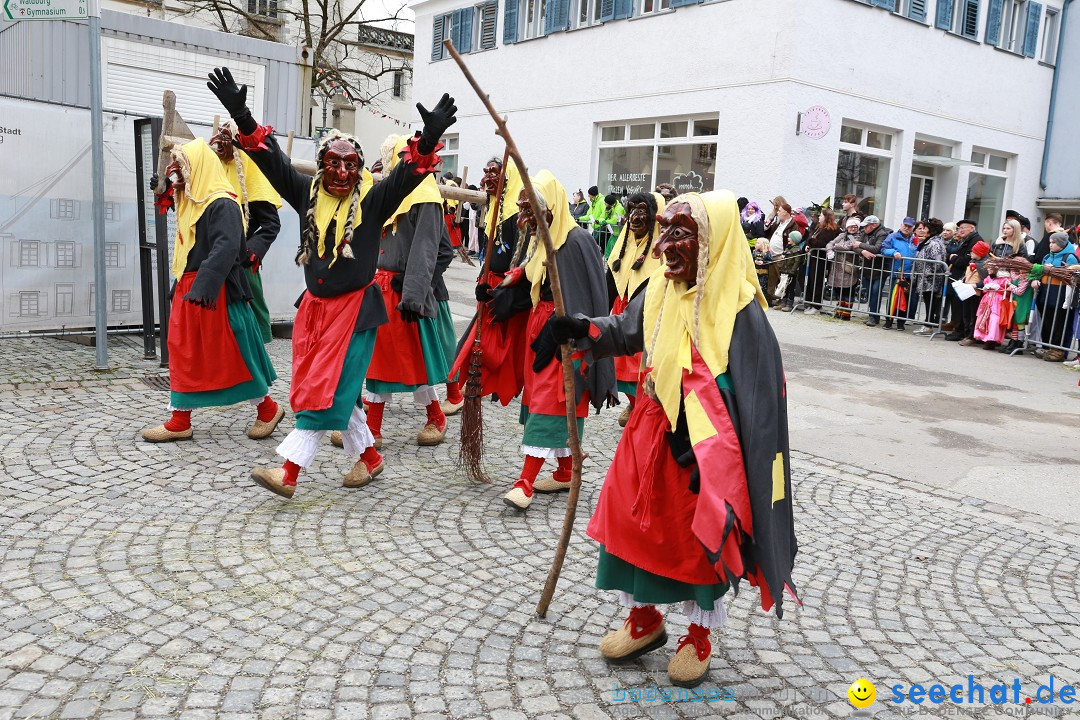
x=974, y=275
x=762, y=257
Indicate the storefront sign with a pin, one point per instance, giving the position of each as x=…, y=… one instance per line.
x=815, y=122
x=688, y=182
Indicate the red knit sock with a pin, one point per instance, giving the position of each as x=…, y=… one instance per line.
x=180, y=421
x=566, y=466
x=528, y=474
x=453, y=392
x=371, y=458
x=374, y=418
x=267, y=409
x=292, y=471
x=435, y=415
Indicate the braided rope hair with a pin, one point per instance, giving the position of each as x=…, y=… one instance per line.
x=309, y=236
x=650, y=222
x=228, y=130
x=177, y=153
x=532, y=238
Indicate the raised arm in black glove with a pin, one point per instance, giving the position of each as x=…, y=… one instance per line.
x=233, y=98
x=435, y=123
x=568, y=328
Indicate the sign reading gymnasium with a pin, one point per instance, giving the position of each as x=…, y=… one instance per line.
x=45, y=9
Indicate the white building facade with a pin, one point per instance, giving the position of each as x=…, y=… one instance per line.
x=929, y=108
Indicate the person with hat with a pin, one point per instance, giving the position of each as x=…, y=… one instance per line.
x=974, y=275
x=1056, y=305
x=898, y=246
x=843, y=267
x=871, y=240
x=967, y=235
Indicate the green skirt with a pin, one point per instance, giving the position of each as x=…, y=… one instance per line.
x=349, y=388
x=445, y=322
x=249, y=339
x=258, y=306
x=627, y=388
x=435, y=363
x=613, y=573
x=547, y=431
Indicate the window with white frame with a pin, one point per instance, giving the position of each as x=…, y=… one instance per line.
x=636, y=156
x=265, y=8
x=65, y=254
x=914, y=9
x=531, y=18
x=1051, y=27
x=112, y=255
x=654, y=6
x=29, y=304
x=65, y=298
x=399, y=83
x=64, y=209
x=864, y=164
x=588, y=13
x=960, y=16
x=487, y=20
x=1013, y=15
x=441, y=25
x=121, y=301
x=449, y=154
x=29, y=253
x=985, y=202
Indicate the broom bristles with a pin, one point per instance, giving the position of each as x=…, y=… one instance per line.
x=471, y=452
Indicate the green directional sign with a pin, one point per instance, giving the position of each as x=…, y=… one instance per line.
x=45, y=9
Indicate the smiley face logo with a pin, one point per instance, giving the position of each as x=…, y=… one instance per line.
x=862, y=693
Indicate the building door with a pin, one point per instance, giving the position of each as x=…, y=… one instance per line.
x=920, y=191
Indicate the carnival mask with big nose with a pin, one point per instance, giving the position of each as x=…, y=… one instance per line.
x=341, y=168
x=222, y=145
x=489, y=183
x=678, y=243
x=175, y=176
x=526, y=216
x=639, y=218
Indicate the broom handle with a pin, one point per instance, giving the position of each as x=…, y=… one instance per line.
x=491, y=240
x=560, y=310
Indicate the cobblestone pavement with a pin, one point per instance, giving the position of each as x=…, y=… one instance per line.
x=143, y=581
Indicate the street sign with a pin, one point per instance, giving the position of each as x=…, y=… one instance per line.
x=45, y=9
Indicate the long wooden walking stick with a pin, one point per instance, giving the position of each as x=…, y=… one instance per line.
x=560, y=310
x=471, y=449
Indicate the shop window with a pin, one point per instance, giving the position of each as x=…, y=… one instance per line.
x=864, y=165
x=636, y=157
x=985, y=201
x=449, y=154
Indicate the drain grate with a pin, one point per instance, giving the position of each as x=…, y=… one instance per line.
x=157, y=382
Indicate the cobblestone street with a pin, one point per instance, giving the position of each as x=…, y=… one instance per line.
x=141, y=581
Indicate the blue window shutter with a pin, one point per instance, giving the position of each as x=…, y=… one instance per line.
x=887, y=4
x=438, y=30
x=683, y=3
x=623, y=9
x=917, y=10
x=969, y=22
x=944, y=14
x=488, y=19
x=463, y=29
x=510, y=21
x=557, y=17
x=1031, y=30
x=993, y=22
x=607, y=10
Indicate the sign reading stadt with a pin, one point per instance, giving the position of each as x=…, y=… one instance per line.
x=45, y=9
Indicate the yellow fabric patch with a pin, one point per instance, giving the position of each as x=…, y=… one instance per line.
x=697, y=421
x=778, y=478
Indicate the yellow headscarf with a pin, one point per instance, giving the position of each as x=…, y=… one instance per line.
x=426, y=192
x=511, y=189
x=628, y=280
x=258, y=187
x=561, y=224
x=730, y=284
x=328, y=207
x=205, y=182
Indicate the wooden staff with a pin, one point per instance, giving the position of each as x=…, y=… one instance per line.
x=560, y=310
x=471, y=448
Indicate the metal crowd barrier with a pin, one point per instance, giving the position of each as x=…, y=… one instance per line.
x=882, y=289
x=1054, y=322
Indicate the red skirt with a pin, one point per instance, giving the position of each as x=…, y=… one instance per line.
x=453, y=229
x=502, y=352
x=399, y=355
x=544, y=392
x=203, y=353
x=646, y=509
x=321, y=333
x=627, y=367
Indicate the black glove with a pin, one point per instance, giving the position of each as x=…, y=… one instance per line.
x=568, y=328
x=545, y=348
x=409, y=316
x=483, y=293
x=502, y=304
x=233, y=98
x=683, y=451
x=435, y=123
x=153, y=183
